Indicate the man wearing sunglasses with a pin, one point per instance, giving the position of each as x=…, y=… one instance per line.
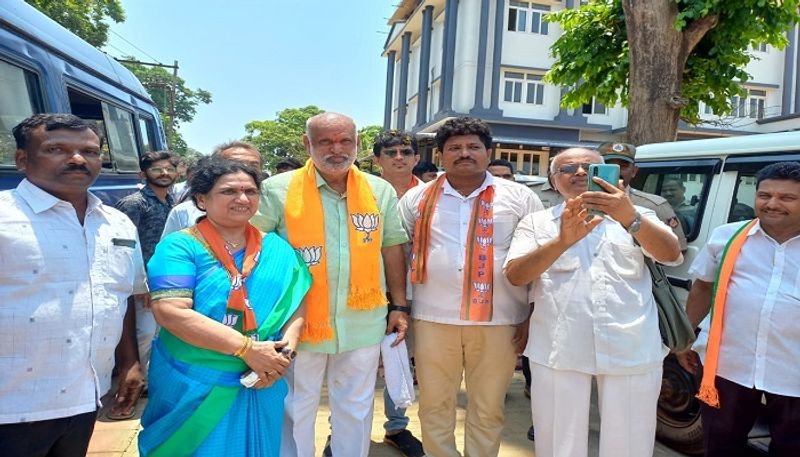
x=395, y=151
x=595, y=314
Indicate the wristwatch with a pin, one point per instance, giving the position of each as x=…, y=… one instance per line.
x=404, y=309
x=636, y=224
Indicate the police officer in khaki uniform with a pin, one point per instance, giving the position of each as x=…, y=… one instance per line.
x=546, y=193
x=623, y=154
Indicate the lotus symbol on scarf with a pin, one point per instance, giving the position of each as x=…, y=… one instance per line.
x=484, y=240
x=311, y=255
x=481, y=286
x=486, y=205
x=366, y=223
x=236, y=282
x=484, y=221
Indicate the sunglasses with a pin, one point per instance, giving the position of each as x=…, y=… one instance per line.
x=163, y=170
x=573, y=168
x=405, y=152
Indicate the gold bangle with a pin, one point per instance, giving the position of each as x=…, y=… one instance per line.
x=246, y=345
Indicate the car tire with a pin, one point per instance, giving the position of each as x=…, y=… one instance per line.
x=679, y=425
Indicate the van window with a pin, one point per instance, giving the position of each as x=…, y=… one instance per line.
x=147, y=130
x=684, y=185
x=120, y=150
x=20, y=98
x=121, y=138
x=743, y=204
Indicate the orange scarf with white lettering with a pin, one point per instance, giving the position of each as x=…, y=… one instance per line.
x=476, y=295
x=238, y=315
x=306, y=226
x=708, y=391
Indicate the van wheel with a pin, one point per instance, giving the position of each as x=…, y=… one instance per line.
x=679, y=425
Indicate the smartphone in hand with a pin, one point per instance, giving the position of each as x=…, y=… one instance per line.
x=608, y=173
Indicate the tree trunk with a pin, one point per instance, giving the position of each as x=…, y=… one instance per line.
x=657, y=61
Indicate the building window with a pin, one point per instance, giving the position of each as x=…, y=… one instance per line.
x=760, y=47
x=594, y=107
x=752, y=106
x=519, y=14
x=523, y=87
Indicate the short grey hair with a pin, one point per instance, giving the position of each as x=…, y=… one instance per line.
x=234, y=144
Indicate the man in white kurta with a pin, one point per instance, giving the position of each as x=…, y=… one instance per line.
x=595, y=314
x=447, y=345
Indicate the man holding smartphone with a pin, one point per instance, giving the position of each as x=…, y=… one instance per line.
x=595, y=314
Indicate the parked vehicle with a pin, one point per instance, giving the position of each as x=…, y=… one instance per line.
x=46, y=68
x=709, y=183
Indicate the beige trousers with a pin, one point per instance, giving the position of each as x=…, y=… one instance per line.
x=486, y=358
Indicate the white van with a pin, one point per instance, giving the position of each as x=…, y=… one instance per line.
x=709, y=183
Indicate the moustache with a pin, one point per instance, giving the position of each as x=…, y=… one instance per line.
x=464, y=160
x=72, y=168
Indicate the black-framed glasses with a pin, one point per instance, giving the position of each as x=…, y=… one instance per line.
x=573, y=168
x=405, y=152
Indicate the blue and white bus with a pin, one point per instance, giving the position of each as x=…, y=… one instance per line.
x=46, y=68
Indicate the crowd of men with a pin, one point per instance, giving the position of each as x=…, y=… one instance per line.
x=477, y=268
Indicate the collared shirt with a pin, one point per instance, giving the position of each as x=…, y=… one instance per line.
x=148, y=214
x=439, y=299
x=760, y=332
x=64, y=289
x=353, y=329
x=595, y=312
x=183, y=215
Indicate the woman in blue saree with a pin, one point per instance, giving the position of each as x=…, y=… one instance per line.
x=228, y=300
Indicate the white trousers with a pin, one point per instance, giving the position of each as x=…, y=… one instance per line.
x=146, y=328
x=560, y=403
x=351, y=391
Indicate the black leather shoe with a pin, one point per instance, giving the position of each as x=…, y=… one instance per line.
x=406, y=443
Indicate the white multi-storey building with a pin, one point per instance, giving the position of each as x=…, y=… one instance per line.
x=486, y=58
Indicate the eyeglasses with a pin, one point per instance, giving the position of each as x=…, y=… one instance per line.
x=573, y=168
x=163, y=170
x=405, y=152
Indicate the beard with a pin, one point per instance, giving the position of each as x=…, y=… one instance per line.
x=161, y=182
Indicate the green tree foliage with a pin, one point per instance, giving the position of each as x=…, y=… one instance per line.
x=85, y=18
x=283, y=136
x=703, y=45
x=158, y=82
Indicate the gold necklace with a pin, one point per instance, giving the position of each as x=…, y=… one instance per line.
x=231, y=246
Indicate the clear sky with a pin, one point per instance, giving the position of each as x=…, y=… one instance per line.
x=257, y=57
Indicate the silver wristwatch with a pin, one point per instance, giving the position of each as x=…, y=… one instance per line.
x=636, y=224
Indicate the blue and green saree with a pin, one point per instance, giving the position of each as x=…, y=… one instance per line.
x=196, y=404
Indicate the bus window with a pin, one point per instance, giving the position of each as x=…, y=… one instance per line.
x=120, y=151
x=147, y=130
x=19, y=99
x=121, y=138
x=685, y=188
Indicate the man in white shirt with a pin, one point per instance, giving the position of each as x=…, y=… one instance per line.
x=759, y=351
x=465, y=311
x=595, y=314
x=68, y=265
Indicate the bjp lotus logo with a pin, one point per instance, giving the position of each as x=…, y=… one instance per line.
x=484, y=221
x=481, y=287
x=311, y=255
x=366, y=223
x=236, y=282
x=484, y=241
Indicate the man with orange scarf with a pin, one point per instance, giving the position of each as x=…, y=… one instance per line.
x=345, y=225
x=749, y=272
x=465, y=311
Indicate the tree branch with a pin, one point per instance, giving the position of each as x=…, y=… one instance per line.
x=695, y=32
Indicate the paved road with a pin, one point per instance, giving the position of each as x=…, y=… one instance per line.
x=118, y=439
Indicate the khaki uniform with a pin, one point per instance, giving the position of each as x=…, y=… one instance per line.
x=660, y=205
x=547, y=194
x=662, y=209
